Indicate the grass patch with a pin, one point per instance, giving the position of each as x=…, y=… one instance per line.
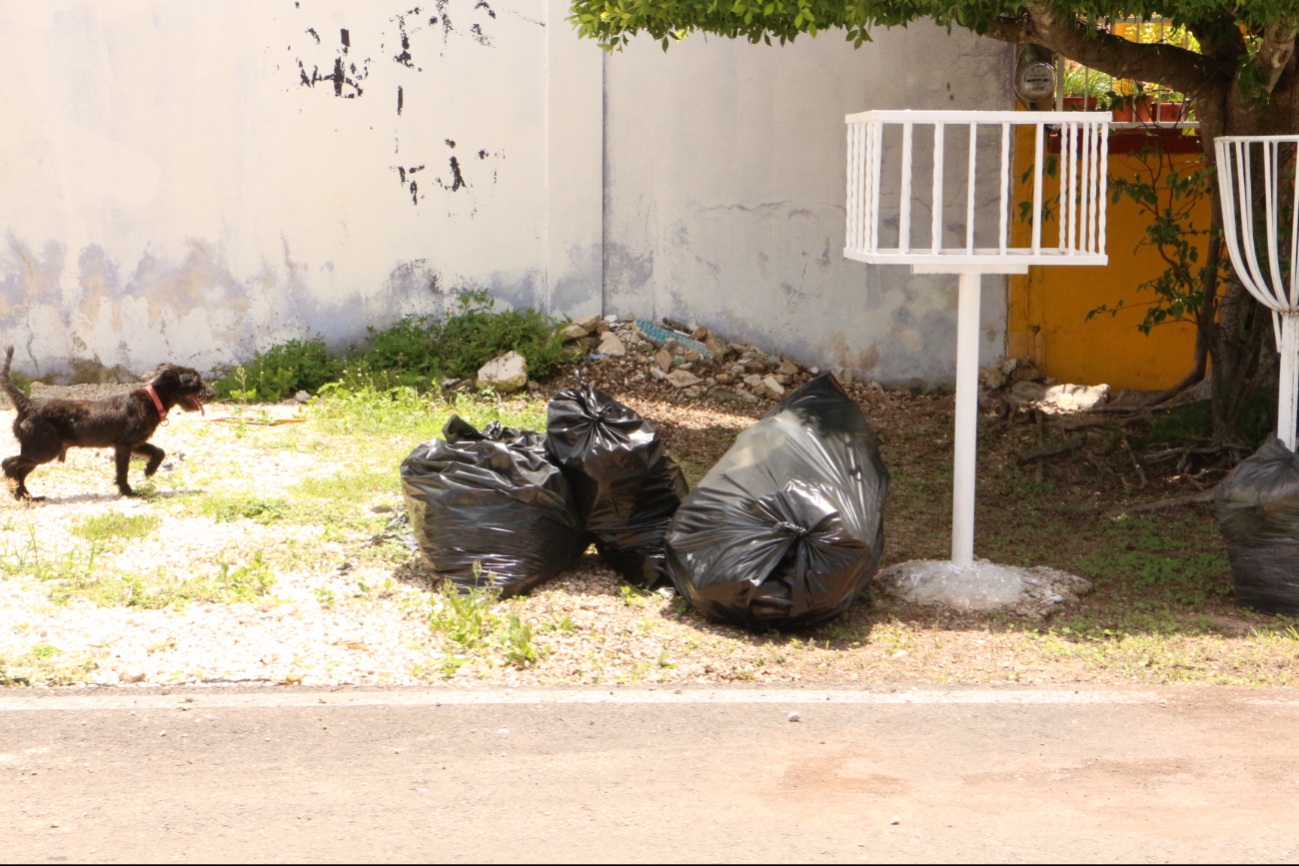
x=245, y=583
x=226, y=507
x=115, y=525
x=45, y=664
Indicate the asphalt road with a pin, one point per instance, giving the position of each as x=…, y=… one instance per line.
x=1174, y=774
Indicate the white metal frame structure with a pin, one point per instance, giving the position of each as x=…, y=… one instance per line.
x=1080, y=235
x=1270, y=278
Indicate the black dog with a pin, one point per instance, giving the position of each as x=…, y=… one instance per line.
x=46, y=429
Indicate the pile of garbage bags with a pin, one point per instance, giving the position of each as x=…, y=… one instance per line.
x=784, y=532
x=1258, y=511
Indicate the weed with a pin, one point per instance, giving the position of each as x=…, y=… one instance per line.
x=325, y=597
x=298, y=365
x=634, y=596
x=114, y=524
x=517, y=640
x=225, y=508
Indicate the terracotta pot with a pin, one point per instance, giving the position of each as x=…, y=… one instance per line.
x=1172, y=112
x=1081, y=103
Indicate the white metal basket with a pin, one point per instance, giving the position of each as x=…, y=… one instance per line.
x=1265, y=264
x=981, y=149
x=1083, y=141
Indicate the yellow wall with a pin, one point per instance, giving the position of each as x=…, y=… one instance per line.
x=1047, y=309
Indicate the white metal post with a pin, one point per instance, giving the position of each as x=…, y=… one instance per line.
x=1288, y=386
x=967, y=418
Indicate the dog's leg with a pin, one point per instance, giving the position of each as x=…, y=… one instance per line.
x=155, y=455
x=16, y=470
x=123, y=459
x=41, y=448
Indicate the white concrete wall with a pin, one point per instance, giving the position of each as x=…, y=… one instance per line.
x=725, y=194
x=185, y=179
x=190, y=180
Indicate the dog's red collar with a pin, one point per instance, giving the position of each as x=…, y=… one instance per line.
x=156, y=402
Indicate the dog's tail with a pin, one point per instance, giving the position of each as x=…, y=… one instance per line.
x=19, y=399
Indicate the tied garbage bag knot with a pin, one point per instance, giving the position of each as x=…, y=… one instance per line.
x=625, y=486
x=489, y=508
x=788, y=528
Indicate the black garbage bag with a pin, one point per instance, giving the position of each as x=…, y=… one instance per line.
x=626, y=486
x=489, y=509
x=1258, y=510
x=788, y=528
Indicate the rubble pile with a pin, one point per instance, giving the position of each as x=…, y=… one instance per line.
x=692, y=362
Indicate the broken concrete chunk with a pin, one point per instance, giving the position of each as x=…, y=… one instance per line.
x=716, y=345
x=1022, y=394
x=683, y=378
x=753, y=380
x=611, y=345
x=573, y=331
x=771, y=388
x=589, y=322
x=700, y=333
x=787, y=368
x=992, y=377
x=663, y=358
x=506, y=373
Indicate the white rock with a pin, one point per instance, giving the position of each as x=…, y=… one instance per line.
x=588, y=322
x=1074, y=398
x=753, y=380
x=657, y=373
x=771, y=388
x=574, y=331
x=611, y=345
x=683, y=378
x=611, y=318
x=794, y=717
x=981, y=586
x=133, y=675
x=507, y=373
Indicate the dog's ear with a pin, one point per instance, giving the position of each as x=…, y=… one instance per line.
x=152, y=374
x=191, y=379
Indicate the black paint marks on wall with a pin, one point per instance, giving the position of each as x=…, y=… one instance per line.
x=408, y=180
x=346, y=75
x=482, y=4
x=404, y=58
x=457, y=179
x=399, y=100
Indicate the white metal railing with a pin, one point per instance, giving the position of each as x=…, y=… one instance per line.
x=1272, y=278
x=1081, y=173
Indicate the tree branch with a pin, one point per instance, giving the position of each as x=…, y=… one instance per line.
x=1169, y=65
x=1274, y=52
